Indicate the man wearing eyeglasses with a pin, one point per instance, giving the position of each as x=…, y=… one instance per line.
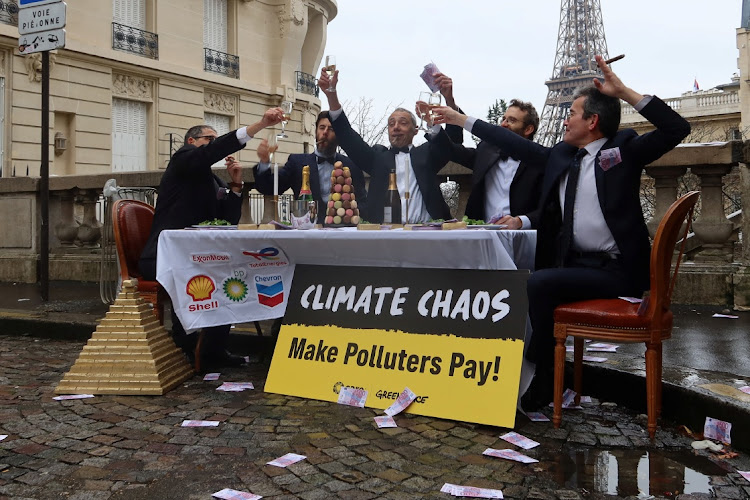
x=190, y=193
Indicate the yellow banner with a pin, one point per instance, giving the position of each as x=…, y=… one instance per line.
x=467, y=379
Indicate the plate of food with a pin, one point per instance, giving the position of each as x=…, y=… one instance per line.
x=214, y=224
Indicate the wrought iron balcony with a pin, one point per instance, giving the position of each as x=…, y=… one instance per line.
x=135, y=41
x=9, y=12
x=306, y=83
x=219, y=62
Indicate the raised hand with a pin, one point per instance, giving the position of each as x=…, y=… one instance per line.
x=234, y=168
x=446, y=88
x=445, y=114
x=613, y=86
x=325, y=82
x=272, y=116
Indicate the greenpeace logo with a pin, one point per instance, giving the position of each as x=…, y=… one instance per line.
x=208, y=258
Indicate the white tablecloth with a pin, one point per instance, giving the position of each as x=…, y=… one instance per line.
x=456, y=249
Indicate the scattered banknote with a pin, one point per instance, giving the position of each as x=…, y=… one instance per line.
x=632, y=300
x=230, y=494
x=200, y=423
x=73, y=396
x=570, y=348
x=519, y=440
x=745, y=389
x=404, y=399
x=287, y=460
x=602, y=347
x=470, y=491
x=718, y=430
x=3, y=436
x=385, y=421
x=537, y=416
x=730, y=316
x=585, y=399
x=352, y=397
x=211, y=376
x=235, y=386
x=568, y=402
x=510, y=455
x=745, y=474
x=594, y=359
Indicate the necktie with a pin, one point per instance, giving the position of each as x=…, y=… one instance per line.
x=566, y=232
x=396, y=150
x=323, y=159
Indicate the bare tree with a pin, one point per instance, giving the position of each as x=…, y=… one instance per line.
x=365, y=120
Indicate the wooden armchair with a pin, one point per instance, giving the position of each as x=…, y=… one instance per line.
x=131, y=223
x=619, y=321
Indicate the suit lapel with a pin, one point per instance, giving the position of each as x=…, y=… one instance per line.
x=314, y=177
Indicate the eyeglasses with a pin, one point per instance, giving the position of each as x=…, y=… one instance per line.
x=211, y=138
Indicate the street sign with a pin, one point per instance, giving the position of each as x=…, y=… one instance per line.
x=35, y=3
x=44, y=18
x=39, y=42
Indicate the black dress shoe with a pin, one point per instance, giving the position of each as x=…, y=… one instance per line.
x=540, y=392
x=224, y=359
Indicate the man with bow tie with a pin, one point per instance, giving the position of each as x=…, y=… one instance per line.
x=592, y=240
x=416, y=166
x=504, y=190
x=321, y=161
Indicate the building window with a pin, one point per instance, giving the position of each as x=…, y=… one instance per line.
x=217, y=58
x=129, y=135
x=2, y=127
x=129, y=29
x=734, y=134
x=223, y=125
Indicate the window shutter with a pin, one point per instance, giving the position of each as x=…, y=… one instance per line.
x=215, y=24
x=222, y=124
x=129, y=135
x=130, y=13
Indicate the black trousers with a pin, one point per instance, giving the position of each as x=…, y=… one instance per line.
x=580, y=279
x=214, y=338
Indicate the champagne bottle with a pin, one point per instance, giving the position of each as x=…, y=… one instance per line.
x=305, y=194
x=392, y=210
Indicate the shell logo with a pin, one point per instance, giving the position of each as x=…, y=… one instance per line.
x=200, y=287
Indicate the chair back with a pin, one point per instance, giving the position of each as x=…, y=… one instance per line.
x=132, y=222
x=667, y=234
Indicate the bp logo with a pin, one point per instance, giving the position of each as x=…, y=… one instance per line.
x=235, y=289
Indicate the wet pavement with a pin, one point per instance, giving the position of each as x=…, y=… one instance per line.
x=125, y=447
x=130, y=447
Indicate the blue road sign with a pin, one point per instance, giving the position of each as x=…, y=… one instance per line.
x=35, y=3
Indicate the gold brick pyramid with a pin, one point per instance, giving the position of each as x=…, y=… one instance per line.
x=128, y=353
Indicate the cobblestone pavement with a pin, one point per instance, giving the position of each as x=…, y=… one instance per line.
x=129, y=447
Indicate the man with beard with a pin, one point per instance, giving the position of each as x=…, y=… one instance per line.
x=416, y=166
x=322, y=160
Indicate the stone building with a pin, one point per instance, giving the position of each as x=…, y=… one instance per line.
x=135, y=74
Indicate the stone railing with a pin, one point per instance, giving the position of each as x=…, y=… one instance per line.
x=701, y=103
x=717, y=271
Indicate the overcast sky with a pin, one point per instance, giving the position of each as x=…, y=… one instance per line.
x=505, y=49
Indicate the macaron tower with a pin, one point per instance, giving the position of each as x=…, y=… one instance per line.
x=341, y=210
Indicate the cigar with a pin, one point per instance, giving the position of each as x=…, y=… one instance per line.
x=613, y=59
x=318, y=142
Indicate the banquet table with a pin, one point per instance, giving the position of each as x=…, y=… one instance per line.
x=204, y=271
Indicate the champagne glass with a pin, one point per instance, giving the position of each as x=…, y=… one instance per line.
x=331, y=70
x=286, y=108
x=425, y=98
x=434, y=101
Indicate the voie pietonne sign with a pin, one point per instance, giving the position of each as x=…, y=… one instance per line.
x=43, y=18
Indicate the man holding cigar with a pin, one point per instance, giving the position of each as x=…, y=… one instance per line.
x=321, y=161
x=416, y=166
x=592, y=240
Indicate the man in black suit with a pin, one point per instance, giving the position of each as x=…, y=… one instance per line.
x=416, y=166
x=592, y=238
x=321, y=161
x=190, y=193
x=504, y=190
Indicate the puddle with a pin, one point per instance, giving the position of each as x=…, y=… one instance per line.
x=634, y=472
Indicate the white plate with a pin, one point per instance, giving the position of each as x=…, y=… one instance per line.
x=198, y=226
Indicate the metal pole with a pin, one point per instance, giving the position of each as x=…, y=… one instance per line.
x=44, y=183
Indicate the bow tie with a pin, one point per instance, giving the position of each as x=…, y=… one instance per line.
x=323, y=159
x=396, y=150
x=504, y=156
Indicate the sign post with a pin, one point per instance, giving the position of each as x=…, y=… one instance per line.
x=40, y=26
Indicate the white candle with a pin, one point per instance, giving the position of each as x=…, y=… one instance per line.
x=407, y=188
x=275, y=178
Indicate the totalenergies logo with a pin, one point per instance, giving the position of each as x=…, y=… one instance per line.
x=200, y=287
x=269, y=253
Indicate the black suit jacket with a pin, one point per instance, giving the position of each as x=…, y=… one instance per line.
x=618, y=188
x=188, y=190
x=426, y=162
x=525, y=189
x=290, y=177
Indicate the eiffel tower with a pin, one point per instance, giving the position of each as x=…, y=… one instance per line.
x=579, y=39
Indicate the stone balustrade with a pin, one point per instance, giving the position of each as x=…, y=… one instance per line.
x=715, y=274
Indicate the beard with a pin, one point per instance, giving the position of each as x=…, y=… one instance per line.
x=327, y=148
